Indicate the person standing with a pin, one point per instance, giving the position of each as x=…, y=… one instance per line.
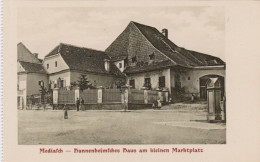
x=77, y=104
x=82, y=104
x=65, y=112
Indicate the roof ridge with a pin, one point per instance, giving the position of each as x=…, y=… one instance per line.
x=30, y=62
x=134, y=22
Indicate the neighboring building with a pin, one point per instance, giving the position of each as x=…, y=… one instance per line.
x=150, y=59
x=65, y=63
x=29, y=72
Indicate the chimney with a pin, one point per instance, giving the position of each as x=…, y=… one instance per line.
x=36, y=55
x=107, y=65
x=165, y=32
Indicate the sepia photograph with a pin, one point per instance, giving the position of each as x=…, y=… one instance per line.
x=121, y=75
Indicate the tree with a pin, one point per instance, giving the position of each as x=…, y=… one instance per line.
x=83, y=83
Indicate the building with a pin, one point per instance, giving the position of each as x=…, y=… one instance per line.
x=29, y=72
x=65, y=64
x=150, y=59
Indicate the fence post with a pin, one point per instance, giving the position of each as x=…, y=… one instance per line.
x=160, y=95
x=76, y=94
x=55, y=95
x=166, y=94
x=122, y=97
x=145, y=96
x=99, y=99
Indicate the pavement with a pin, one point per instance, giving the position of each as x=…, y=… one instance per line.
x=181, y=123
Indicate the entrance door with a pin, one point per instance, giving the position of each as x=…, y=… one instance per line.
x=203, y=93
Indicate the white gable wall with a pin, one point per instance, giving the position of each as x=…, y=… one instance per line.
x=117, y=65
x=61, y=64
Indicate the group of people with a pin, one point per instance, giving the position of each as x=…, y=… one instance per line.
x=80, y=104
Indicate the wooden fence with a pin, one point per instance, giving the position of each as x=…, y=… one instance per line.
x=111, y=96
x=152, y=96
x=98, y=96
x=89, y=95
x=66, y=96
x=136, y=96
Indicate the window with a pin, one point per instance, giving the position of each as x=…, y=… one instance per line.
x=147, y=83
x=56, y=63
x=134, y=59
x=152, y=56
x=47, y=66
x=188, y=78
x=120, y=65
x=162, y=82
x=62, y=83
x=132, y=83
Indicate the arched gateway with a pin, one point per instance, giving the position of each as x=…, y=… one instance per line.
x=203, y=88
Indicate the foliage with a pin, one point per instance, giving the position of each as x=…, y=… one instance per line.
x=83, y=83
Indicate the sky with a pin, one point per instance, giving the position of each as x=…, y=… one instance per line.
x=197, y=28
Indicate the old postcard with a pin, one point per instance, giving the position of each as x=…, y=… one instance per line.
x=124, y=81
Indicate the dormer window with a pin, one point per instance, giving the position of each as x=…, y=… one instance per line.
x=152, y=56
x=120, y=65
x=56, y=63
x=212, y=62
x=134, y=59
x=47, y=66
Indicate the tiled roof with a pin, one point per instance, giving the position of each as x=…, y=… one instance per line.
x=24, y=54
x=85, y=59
x=150, y=67
x=32, y=67
x=179, y=55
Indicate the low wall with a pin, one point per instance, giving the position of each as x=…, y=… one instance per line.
x=132, y=106
x=103, y=106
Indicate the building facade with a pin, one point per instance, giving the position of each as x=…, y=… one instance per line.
x=153, y=61
x=140, y=56
x=29, y=72
x=66, y=63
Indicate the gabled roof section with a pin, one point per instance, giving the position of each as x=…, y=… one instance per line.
x=32, y=67
x=178, y=55
x=119, y=48
x=24, y=54
x=84, y=59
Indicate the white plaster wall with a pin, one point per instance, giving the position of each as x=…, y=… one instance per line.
x=32, y=85
x=19, y=67
x=193, y=85
x=123, y=65
x=64, y=76
x=154, y=75
x=101, y=80
x=51, y=61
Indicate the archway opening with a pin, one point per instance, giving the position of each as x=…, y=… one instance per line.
x=203, y=86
